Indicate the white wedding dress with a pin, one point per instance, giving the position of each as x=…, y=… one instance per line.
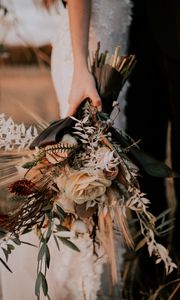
x=110, y=22
x=72, y=275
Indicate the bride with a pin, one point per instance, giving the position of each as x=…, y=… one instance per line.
x=82, y=23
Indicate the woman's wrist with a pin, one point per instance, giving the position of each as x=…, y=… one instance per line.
x=81, y=68
x=81, y=62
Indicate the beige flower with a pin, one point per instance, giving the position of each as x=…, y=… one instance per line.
x=80, y=186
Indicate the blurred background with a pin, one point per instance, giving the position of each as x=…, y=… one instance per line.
x=26, y=32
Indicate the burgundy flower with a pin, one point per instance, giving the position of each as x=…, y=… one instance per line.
x=3, y=218
x=22, y=187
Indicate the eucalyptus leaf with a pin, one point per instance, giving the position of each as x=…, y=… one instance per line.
x=10, y=248
x=164, y=213
x=166, y=231
x=47, y=259
x=42, y=251
x=6, y=266
x=29, y=165
x=68, y=243
x=56, y=241
x=6, y=253
x=16, y=240
x=27, y=243
x=165, y=224
x=26, y=230
x=38, y=284
x=49, y=232
x=60, y=212
x=44, y=284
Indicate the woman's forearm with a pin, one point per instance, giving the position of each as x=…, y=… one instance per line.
x=83, y=84
x=79, y=19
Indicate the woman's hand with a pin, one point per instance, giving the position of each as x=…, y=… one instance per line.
x=83, y=86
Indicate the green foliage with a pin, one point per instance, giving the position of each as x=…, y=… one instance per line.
x=68, y=243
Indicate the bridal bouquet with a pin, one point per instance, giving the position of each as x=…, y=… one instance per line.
x=79, y=176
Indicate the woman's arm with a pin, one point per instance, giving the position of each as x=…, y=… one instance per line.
x=83, y=84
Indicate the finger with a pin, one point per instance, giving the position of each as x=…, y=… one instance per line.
x=96, y=101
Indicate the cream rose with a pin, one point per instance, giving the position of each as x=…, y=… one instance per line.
x=80, y=186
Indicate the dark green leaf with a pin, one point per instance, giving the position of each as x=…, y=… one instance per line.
x=166, y=231
x=43, y=240
x=47, y=208
x=44, y=284
x=50, y=215
x=26, y=230
x=10, y=248
x=6, y=266
x=60, y=212
x=27, y=243
x=144, y=161
x=56, y=241
x=6, y=253
x=49, y=232
x=16, y=240
x=151, y=165
x=42, y=251
x=38, y=284
x=68, y=243
x=47, y=257
x=29, y=165
x=3, y=233
x=164, y=213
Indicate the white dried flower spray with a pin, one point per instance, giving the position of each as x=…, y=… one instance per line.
x=160, y=252
x=15, y=136
x=139, y=203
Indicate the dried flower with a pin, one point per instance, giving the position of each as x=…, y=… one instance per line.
x=80, y=186
x=13, y=136
x=22, y=187
x=59, y=152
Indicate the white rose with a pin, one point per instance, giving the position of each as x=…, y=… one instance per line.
x=80, y=186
